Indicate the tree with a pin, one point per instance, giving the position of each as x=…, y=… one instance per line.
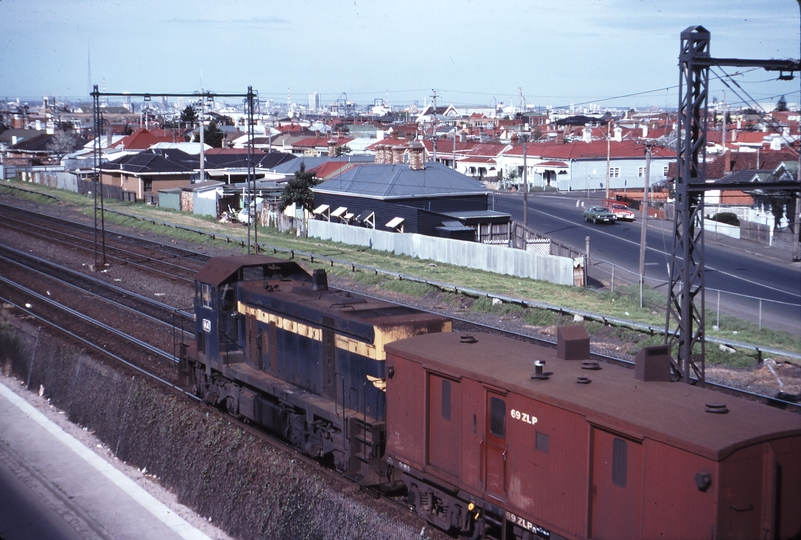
x=781, y=105
x=298, y=190
x=213, y=136
x=342, y=150
x=62, y=143
x=188, y=116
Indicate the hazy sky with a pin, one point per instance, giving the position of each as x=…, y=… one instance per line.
x=559, y=52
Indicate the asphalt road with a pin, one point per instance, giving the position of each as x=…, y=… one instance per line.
x=731, y=266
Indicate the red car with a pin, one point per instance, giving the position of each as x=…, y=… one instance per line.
x=621, y=211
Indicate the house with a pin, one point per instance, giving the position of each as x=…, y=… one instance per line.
x=582, y=165
x=414, y=197
x=143, y=174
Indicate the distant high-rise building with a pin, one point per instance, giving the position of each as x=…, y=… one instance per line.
x=314, y=101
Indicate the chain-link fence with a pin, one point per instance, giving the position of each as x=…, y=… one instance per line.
x=724, y=309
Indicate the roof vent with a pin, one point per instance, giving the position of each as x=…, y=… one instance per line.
x=653, y=364
x=572, y=343
x=716, y=408
x=539, y=373
x=319, y=280
x=594, y=366
x=583, y=380
x=467, y=338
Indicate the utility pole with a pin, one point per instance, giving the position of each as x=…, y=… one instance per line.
x=525, y=181
x=797, y=228
x=434, y=125
x=644, y=215
x=202, y=136
x=608, y=157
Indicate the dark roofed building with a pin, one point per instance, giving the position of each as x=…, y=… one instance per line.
x=433, y=200
x=145, y=173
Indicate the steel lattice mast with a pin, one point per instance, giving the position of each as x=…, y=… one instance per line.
x=685, y=325
x=686, y=294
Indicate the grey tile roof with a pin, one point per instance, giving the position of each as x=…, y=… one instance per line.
x=311, y=162
x=400, y=181
x=147, y=163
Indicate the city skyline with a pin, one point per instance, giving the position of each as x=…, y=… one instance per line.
x=611, y=53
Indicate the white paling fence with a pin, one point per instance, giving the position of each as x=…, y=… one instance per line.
x=491, y=258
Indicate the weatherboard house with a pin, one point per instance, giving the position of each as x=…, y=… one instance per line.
x=414, y=197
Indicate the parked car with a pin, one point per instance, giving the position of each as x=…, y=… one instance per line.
x=621, y=211
x=599, y=214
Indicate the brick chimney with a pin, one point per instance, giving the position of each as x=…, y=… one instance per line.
x=380, y=154
x=332, y=148
x=416, y=150
x=397, y=153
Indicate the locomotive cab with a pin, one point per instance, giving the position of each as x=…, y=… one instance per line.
x=216, y=328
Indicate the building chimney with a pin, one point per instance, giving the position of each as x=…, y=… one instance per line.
x=645, y=131
x=618, y=134
x=332, y=148
x=397, y=153
x=726, y=161
x=587, y=134
x=416, y=150
x=378, y=157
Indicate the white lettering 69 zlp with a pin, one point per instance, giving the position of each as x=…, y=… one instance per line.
x=524, y=417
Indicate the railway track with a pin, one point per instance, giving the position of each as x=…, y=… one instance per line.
x=140, y=254
x=130, y=353
x=118, y=248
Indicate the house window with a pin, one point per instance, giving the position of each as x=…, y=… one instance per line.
x=148, y=184
x=641, y=172
x=614, y=172
x=664, y=171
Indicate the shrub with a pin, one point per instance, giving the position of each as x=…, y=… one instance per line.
x=729, y=218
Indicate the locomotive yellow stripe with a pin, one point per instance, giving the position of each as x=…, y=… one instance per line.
x=288, y=325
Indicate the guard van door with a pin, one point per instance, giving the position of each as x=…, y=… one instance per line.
x=497, y=447
x=616, y=495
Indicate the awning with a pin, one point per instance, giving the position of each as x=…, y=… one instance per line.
x=395, y=222
x=339, y=211
x=320, y=209
x=367, y=217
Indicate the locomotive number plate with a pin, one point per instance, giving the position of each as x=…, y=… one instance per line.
x=524, y=417
x=206, y=325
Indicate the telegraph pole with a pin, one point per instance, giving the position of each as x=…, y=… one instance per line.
x=644, y=215
x=525, y=181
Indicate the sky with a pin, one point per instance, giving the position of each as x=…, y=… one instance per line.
x=604, y=53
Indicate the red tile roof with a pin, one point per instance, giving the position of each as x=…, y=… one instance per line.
x=331, y=169
x=142, y=139
x=591, y=150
